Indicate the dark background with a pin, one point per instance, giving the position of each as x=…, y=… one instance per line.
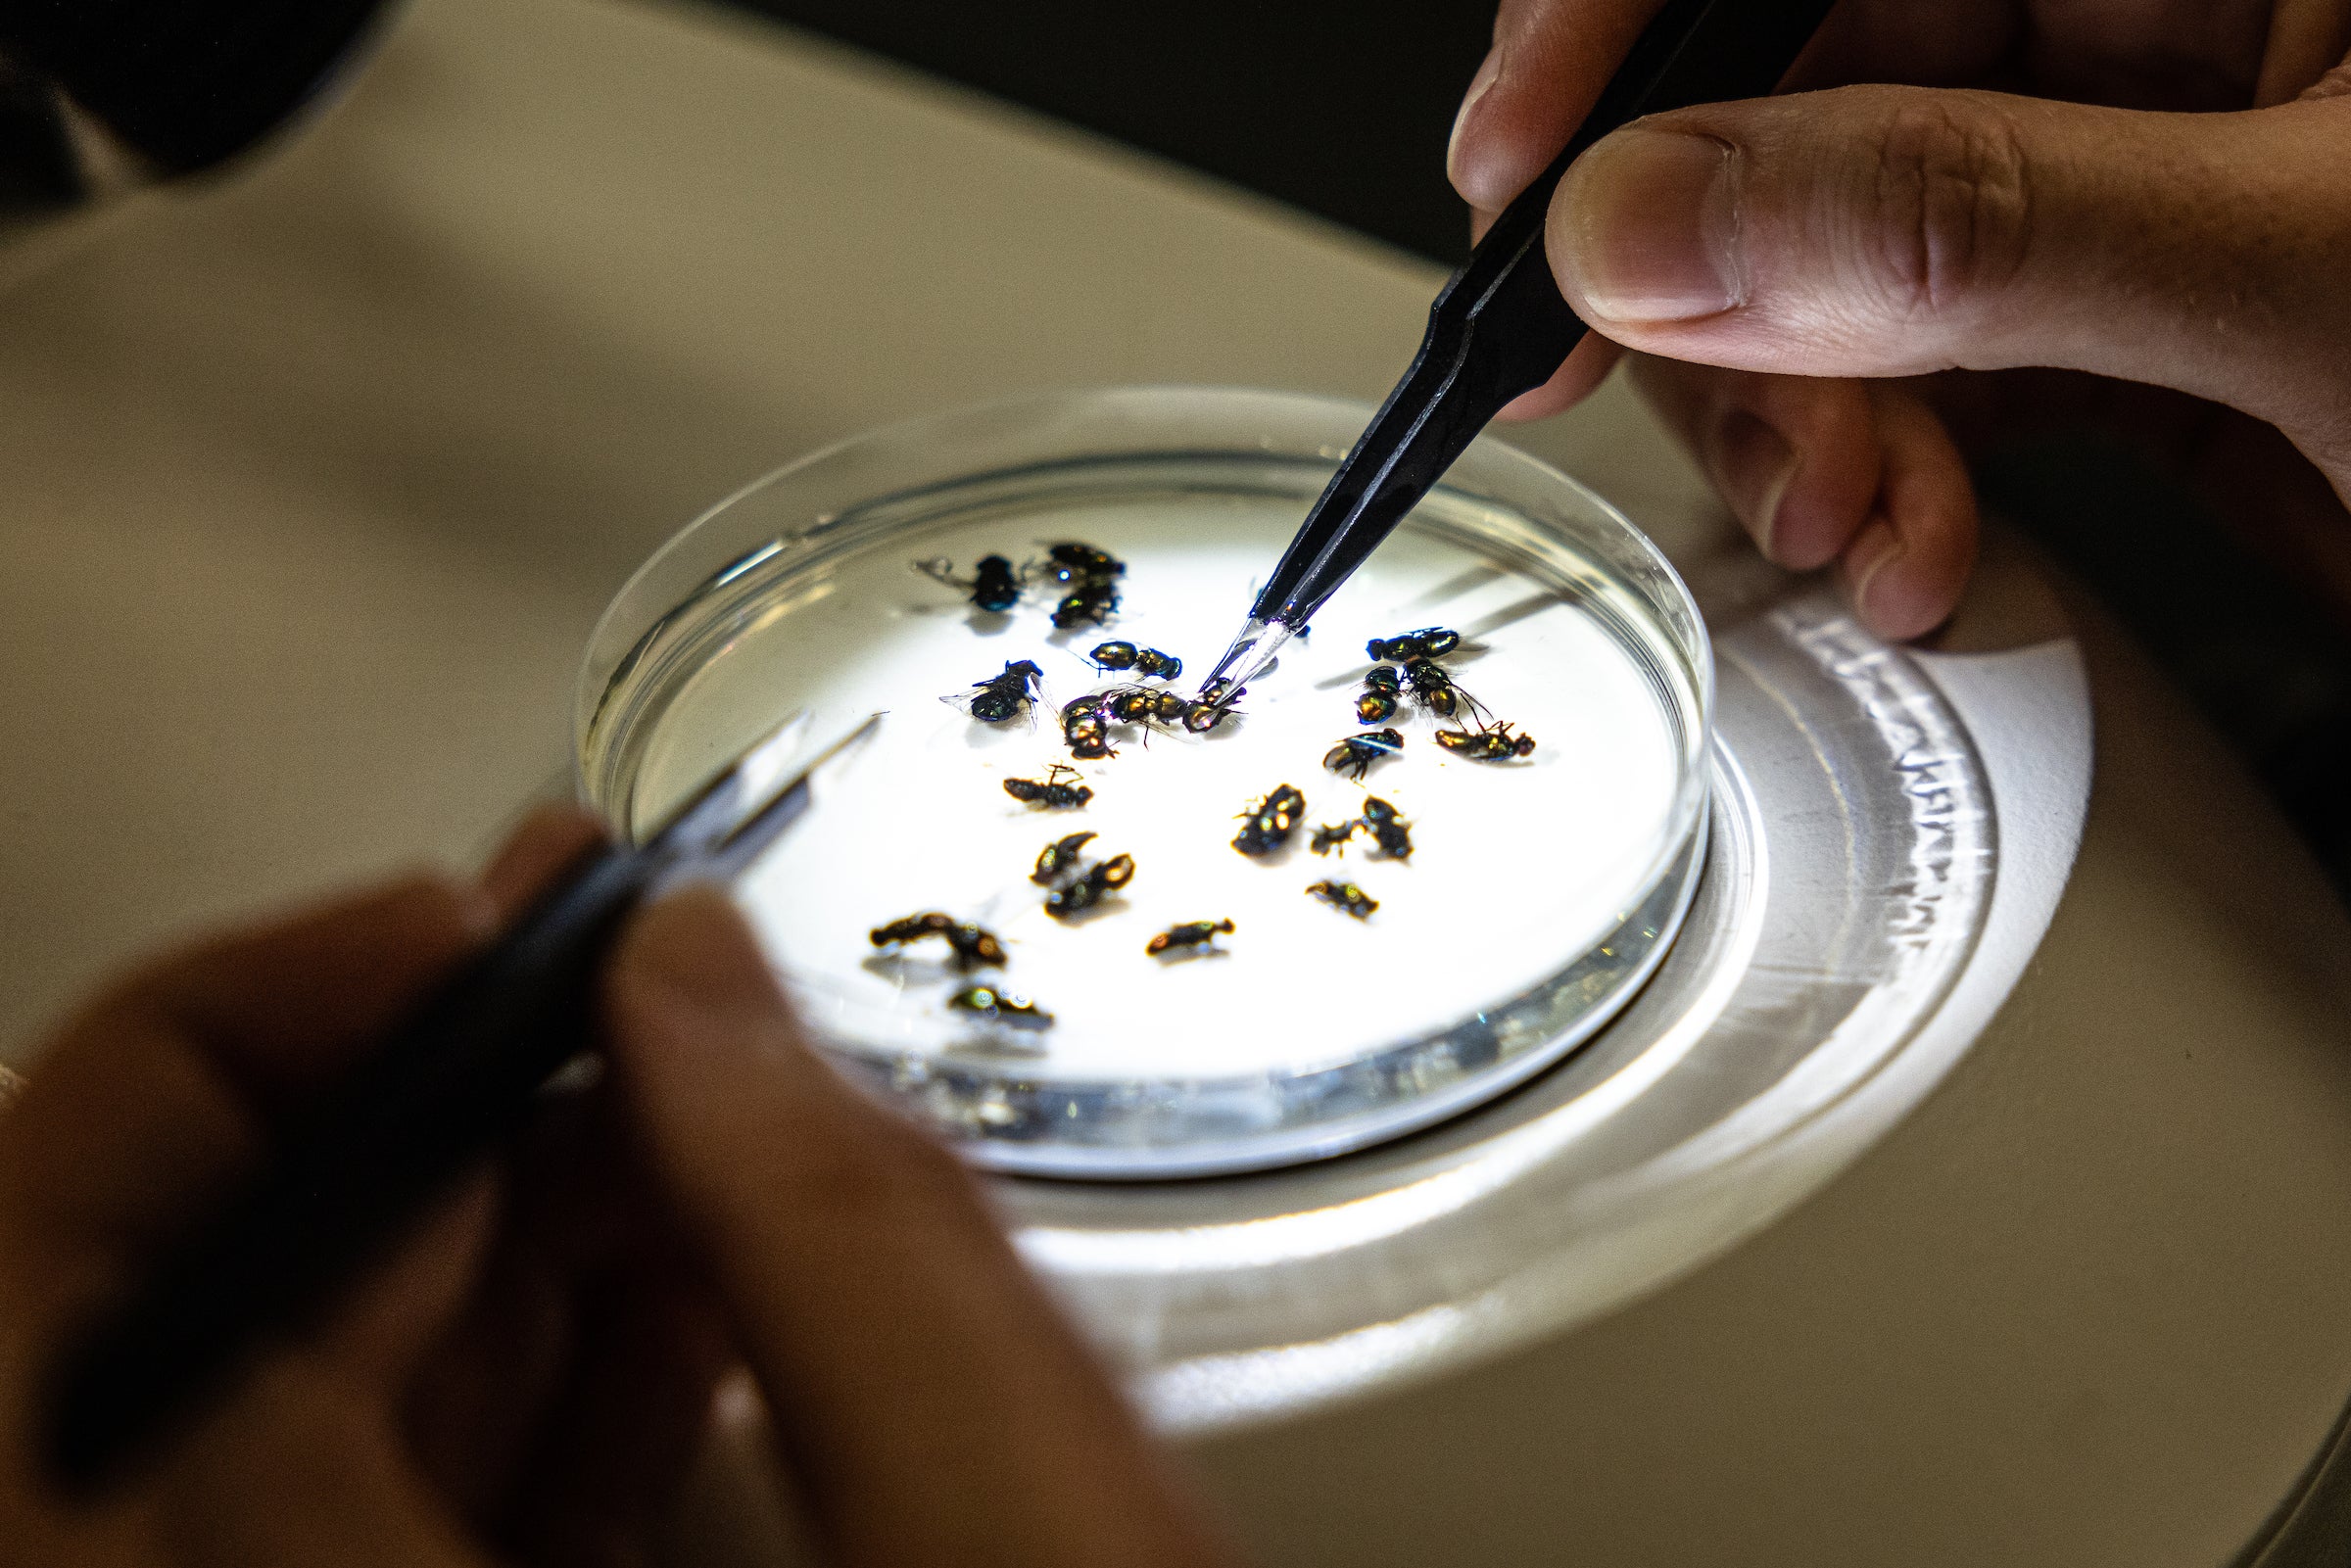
x=1340, y=109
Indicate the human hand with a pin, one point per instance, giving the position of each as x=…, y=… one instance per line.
x=526, y=1378
x=2181, y=218
x=935, y=1406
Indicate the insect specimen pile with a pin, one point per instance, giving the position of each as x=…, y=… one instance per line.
x=1429, y=642
x=1075, y=885
x=1082, y=584
x=1430, y=683
x=1084, y=579
x=1085, y=728
x=1085, y=720
x=1408, y=668
x=1149, y=663
x=1088, y=579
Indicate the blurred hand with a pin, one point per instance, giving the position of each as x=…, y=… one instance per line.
x=2171, y=206
x=526, y=1379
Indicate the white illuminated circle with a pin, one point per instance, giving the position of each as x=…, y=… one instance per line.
x=1539, y=891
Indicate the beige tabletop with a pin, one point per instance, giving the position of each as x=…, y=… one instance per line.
x=312, y=484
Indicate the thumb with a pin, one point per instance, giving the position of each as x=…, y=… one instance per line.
x=1880, y=231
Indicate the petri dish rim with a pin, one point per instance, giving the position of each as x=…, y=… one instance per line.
x=893, y=483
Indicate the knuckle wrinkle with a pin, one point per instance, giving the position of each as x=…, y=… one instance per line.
x=1953, y=203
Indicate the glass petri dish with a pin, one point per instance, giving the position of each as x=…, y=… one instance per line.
x=1539, y=893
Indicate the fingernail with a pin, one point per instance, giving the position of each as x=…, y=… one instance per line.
x=1753, y=467
x=1646, y=225
x=1488, y=71
x=695, y=947
x=1877, y=548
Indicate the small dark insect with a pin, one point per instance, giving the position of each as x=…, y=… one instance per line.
x=913, y=929
x=1132, y=704
x=1086, y=604
x=1393, y=833
x=1429, y=642
x=1001, y=1007
x=1327, y=838
x=1002, y=696
x=1192, y=933
x=1058, y=859
x=1203, y=715
x=1053, y=789
x=1267, y=824
x=972, y=945
x=1150, y=662
x=1090, y=577
x=1486, y=745
x=1375, y=707
x=1098, y=882
x=1354, y=755
x=1142, y=705
x=1082, y=563
x=1433, y=685
x=1346, y=898
x=1215, y=691
x=992, y=584
x=1084, y=729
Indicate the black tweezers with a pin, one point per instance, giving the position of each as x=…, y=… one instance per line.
x=359, y=1168
x=1499, y=327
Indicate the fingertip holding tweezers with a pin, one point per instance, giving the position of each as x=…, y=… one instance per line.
x=1499, y=326
x=365, y=1163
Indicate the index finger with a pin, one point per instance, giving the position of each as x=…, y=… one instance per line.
x=1549, y=61
x=939, y=1406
